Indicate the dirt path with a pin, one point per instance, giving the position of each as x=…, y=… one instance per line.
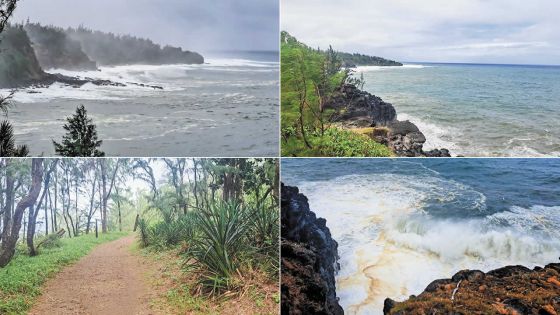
x=110, y=280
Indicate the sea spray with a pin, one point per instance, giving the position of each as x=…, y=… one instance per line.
x=402, y=224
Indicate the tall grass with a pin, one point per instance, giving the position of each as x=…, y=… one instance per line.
x=220, y=241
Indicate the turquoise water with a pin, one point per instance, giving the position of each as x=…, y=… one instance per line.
x=476, y=110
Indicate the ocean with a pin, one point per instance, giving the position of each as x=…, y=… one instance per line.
x=473, y=109
x=226, y=107
x=402, y=223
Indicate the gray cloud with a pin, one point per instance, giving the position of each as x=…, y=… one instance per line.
x=191, y=24
x=493, y=31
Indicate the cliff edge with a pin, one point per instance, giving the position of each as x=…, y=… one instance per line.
x=511, y=290
x=309, y=259
x=364, y=113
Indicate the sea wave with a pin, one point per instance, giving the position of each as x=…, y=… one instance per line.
x=392, y=243
x=384, y=68
x=437, y=136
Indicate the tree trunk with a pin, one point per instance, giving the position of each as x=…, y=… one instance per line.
x=106, y=192
x=91, y=203
x=53, y=215
x=76, y=231
x=34, y=212
x=7, y=249
x=47, y=212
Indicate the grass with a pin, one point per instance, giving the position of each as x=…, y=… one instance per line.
x=258, y=294
x=21, y=280
x=339, y=142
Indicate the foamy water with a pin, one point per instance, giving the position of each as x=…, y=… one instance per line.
x=402, y=224
x=223, y=107
x=476, y=110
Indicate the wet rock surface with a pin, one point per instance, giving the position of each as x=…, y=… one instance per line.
x=511, y=290
x=309, y=259
x=359, y=109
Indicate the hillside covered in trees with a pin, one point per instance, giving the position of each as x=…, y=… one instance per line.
x=112, y=49
x=203, y=233
x=54, y=49
x=27, y=50
x=353, y=60
x=18, y=63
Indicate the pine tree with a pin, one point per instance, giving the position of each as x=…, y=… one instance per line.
x=81, y=137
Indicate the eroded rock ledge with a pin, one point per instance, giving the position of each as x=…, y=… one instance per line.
x=368, y=114
x=309, y=259
x=513, y=290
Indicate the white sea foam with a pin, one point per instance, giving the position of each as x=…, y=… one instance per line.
x=389, y=246
x=437, y=137
x=385, y=68
x=175, y=77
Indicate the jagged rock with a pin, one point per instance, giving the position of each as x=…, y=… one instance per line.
x=507, y=290
x=309, y=259
x=354, y=104
x=359, y=109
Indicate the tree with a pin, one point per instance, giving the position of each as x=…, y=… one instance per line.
x=81, y=137
x=34, y=210
x=7, y=142
x=12, y=224
x=106, y=189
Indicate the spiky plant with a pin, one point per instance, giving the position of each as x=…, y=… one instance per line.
x=220, y=243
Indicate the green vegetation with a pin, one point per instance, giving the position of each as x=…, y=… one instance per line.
x=223, y=227
x=21, y=279
x=81, y=137
x=18, y=63
x=310, y=77
x=114, y=49
x=54, y=49
x=352, y=60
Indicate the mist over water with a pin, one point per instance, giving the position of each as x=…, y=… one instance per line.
x=225, y=107
x=476, y=110
x=401, y=224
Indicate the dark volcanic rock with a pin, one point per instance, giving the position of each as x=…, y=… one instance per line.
x=509, y=290
x=354, y=104
x=358, y=109
x=309, y=259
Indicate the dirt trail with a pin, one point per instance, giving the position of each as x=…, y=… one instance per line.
x=110, y=280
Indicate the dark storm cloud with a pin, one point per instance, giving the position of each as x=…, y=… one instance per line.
x=193, y=24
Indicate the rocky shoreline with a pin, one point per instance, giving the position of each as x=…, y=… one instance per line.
x=309, y=259
x=368, y=114
x=75, y=82
x=513, y=290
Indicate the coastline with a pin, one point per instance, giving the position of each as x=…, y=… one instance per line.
x=364, y=113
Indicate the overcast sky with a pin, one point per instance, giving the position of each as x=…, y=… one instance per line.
x=192, y=24
x=485, y=31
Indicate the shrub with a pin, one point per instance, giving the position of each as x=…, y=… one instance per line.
x=219, y=244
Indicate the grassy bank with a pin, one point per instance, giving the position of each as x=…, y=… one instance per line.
x=21, y=280
x=256, y=292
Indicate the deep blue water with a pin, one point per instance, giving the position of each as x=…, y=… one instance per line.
x=504, y=182
x=474, y=109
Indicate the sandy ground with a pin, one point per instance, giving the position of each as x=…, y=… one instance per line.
x=110, y=280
